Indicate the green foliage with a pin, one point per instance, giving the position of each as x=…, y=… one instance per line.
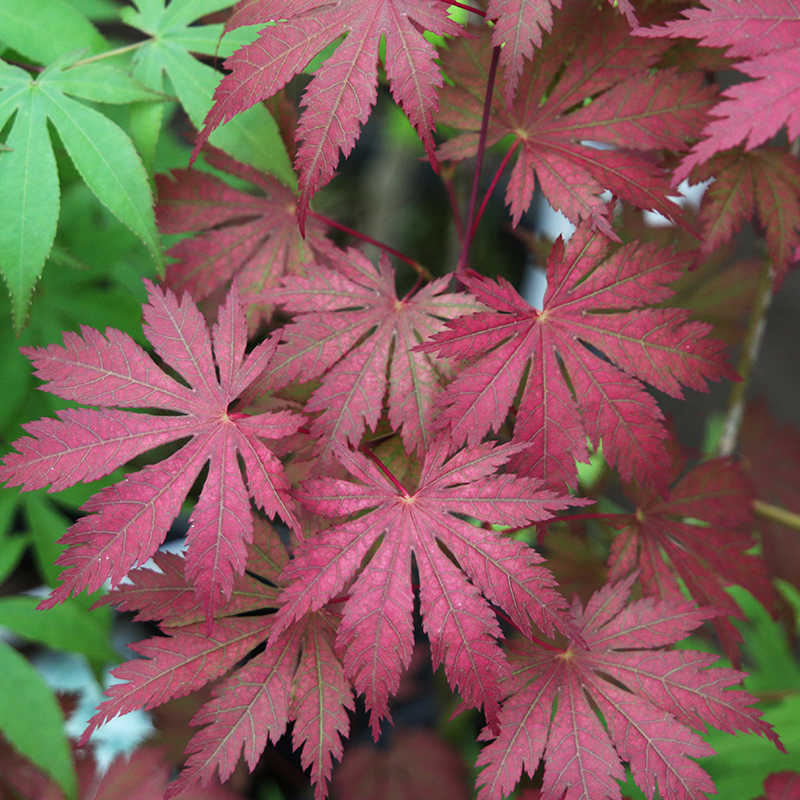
x=32, y=721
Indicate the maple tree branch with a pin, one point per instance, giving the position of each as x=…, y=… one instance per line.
x=750, y=348
x=421, y=270
x=118, y=51
x=777, y=514
x=500, y=170
x=451, y=196
x=477, y=11
x=487, y=107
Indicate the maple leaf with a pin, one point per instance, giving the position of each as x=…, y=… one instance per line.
x=699, y=533
x=126, y=522
x=417, y=763
x=766, y=180
x=297, y=678
x=633, y=110
x=348, y=322
x=614, y=663
x=253, y=238
x=376, y=633
x=766, y=35
x=519, y=25
x=781, y=786
x=594, y=302
x=340, y=96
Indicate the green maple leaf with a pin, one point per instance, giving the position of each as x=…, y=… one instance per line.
x=252, y=136
x=102, y=153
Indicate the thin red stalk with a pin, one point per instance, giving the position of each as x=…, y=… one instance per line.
x=415, y=265
x=490, y=190
x=385, y=470
x=414, y=289
x=546, y=645
x=451, y=196
x=487, y=107
x=477, y=11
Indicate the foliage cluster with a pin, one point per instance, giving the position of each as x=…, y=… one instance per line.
x=445, y=459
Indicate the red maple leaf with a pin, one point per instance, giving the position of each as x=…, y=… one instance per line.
x=297, y=678
x=253, y=238
x=633, y=110
x=376, y=633
x=699, y=533
x=594, y=302
x=519, y=25
x=766, y=34
x=782, y=786
x=766, y=180
x=614, y=663
x=126, y=522
x=351, y=328
x=340, y=96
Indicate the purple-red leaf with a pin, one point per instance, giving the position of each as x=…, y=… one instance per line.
x=592, y=126
x=253, y=238
x=376, y=634
x=125, y=523
x=648, y=698
x=350, y=328
x=340, y=96
x=297, y=678
x=579, y=359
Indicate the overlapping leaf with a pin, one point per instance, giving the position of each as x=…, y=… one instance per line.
x=591, y=83
x=296, y=679
x=766, y=35
x=579, y=360
x=649, y=698
x=519, y=25
x=101, y=152
x=340, y=97
x=351, y=328
x=699, y=534
x=126, y=522
x=167, y=53
x=764, y=180
x=376, y=633
x=251, y=237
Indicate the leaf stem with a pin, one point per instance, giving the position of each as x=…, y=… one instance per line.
x=118, y=51
x=477, y=11
x=487, y=107
x=750, y=348
x=777, y=514
x=386, y=471
x=490, y=190
x=422, y=271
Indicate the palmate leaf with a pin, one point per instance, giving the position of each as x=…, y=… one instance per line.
x=101, y=152
x=297, y=678
x=351, y=328
x=126, y=522
x=579, y=360
x=519, y=26
x=340, y=97
x=649, y=698
x=699, y=533
x=253, y=238
x=764, y=180
x=633, y=110
x=376, y=633
x=766, y=35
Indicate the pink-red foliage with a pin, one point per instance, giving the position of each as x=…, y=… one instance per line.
x=649, y=698
x=125, y=523
x=595, y=301
x=298, y=679
x=634, y=112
